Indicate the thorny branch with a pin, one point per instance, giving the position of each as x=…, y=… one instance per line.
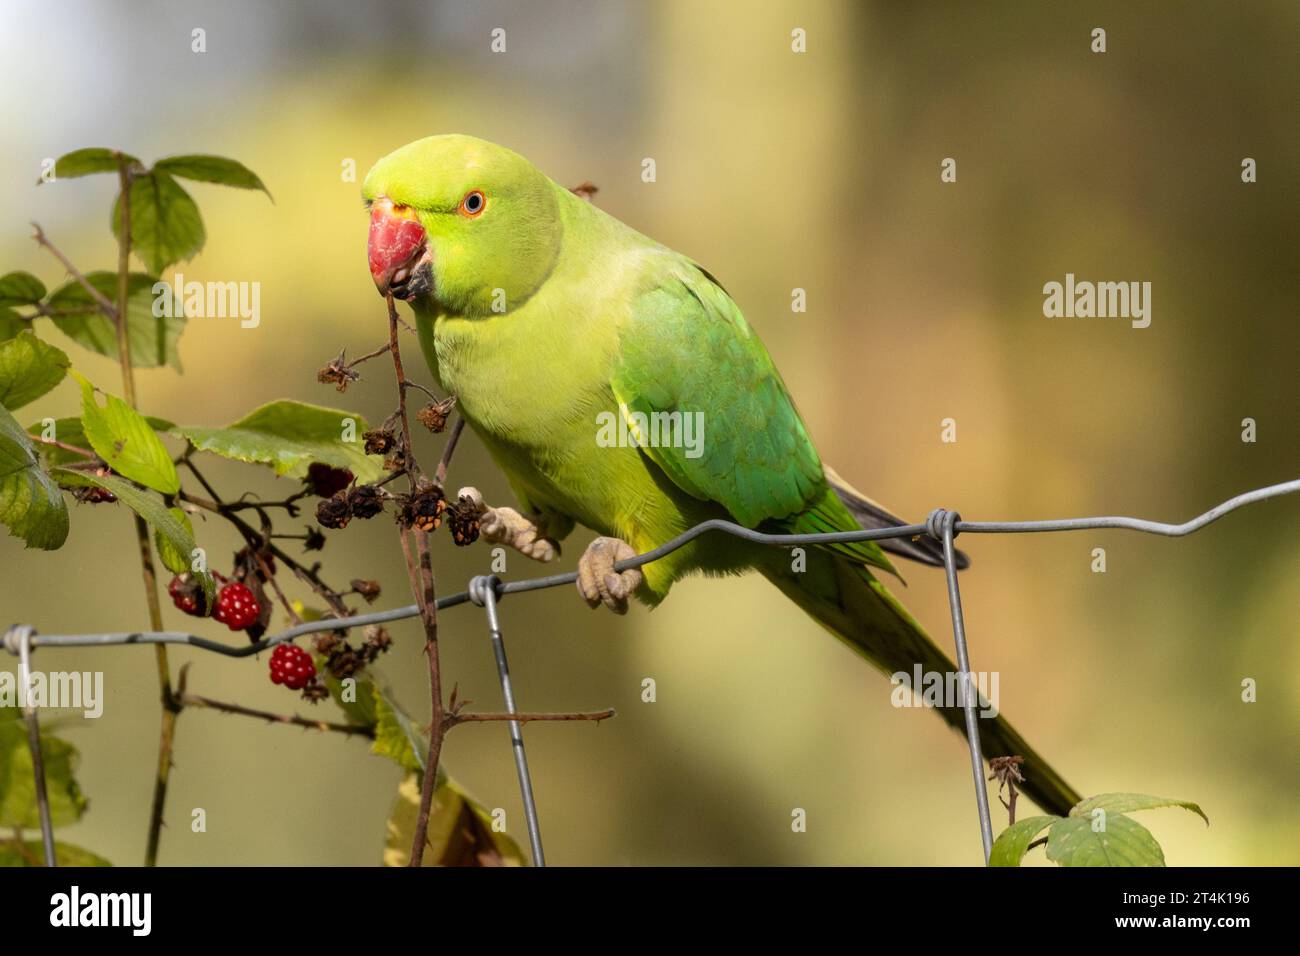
x=99, y=298
x=422, y=584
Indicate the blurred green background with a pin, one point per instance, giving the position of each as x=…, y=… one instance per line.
x=777, y=171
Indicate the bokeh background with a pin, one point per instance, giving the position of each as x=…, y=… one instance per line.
x=776, y=170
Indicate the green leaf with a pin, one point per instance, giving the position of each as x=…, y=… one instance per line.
x=31, y=504
x=153, y=338
x=396, y=735
x=360, y=711
x=289, y=436
x=121, y=436
x=212, y=169
x=32, y=853
x=172, y=557
x=11, y=323
x=21, y=288
x=1130, y=802
x=84, y=162
x=459, y=833
x=28, y=369
x=1124, y=842
x=178, y=536
x=70, y=432
x=18, y=786
x=165, y=223
x=1013, y=843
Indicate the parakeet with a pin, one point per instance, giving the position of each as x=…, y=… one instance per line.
x=560, y=330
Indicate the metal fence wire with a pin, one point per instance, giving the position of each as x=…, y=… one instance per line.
x=487, y=591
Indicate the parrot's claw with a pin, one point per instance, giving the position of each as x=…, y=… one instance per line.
x=507, y=526
x=599, y=583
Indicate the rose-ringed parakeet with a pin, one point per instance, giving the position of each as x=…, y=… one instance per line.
x=545, y=317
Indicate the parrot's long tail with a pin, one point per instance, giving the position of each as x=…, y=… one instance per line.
x=849, y=602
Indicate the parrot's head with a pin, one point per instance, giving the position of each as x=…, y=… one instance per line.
x=470, y=225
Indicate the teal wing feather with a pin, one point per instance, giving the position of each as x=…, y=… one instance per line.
x=688, y=349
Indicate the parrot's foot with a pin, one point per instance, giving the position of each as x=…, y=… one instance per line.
x=599, y=583
x=507, y=526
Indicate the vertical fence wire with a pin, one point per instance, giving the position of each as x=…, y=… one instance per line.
x=23, y=638
x=943, y=522
x=483, y=591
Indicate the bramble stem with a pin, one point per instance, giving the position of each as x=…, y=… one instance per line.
x=355, y=730
x=419, y=567
x=170, y=706
x=595, y=716
x=98, y=297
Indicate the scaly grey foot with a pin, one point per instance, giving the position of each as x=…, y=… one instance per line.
x=599, y=583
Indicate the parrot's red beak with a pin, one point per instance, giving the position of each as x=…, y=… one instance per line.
x=398, y=250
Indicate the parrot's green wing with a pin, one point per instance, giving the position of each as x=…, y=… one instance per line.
x=687, y=349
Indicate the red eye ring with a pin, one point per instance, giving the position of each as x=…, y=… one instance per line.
x=473, y=204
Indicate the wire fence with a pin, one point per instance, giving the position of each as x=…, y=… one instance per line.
x=486, y=591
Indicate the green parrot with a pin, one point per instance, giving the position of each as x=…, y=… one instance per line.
x=561, y=332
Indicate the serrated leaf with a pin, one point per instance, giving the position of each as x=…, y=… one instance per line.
x=212, y=169
x=70, y=432
x=153, y=338
x=396, y=736
x=32, y=853
x=31, y=504
x=166, y=227
x=1013, y=843
x=28, y=369
x=18, y=786
x=152, y=510
x=1130, y=803
x=289, y=436
x=1124, y=842
x=174, y=559
x=121, y=436
x=94, y=159
x=459, y=833
x=21, y=288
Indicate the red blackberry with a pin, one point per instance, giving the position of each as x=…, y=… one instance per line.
x=291, y=666
x=237, y=606
x=187, y=594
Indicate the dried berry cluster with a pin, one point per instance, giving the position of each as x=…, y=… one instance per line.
x=342, y=660
x=422, y=509
x=356, y=501
x=434, y=415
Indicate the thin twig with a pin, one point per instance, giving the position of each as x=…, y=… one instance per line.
x=269, y=576
x=355, y=730
x=595, y=716
x=84, y=452
x=100, y=299
x=422, y=584
x=386, y=347
x=449, y=449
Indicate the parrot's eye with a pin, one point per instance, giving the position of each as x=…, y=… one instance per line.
x=473, y=203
